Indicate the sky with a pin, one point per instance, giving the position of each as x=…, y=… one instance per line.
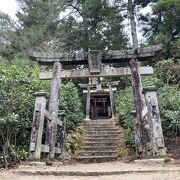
x=10, y=7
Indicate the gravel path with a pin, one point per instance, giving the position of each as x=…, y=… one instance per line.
x=151, y=176
x=152, y=172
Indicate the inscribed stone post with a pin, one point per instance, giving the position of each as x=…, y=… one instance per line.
x=37, y=125
x=158, y=146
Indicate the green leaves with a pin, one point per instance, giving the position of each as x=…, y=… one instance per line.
x=124, y=105
x=169, y=101
x=71, y=103
x=166, y=79
x=163, y=26
x=168, y=71
x=18, y=82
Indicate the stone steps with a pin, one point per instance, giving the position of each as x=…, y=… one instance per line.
x=101, y=136
x=102, y=129
x=100, y=142
x=100, y=139
x=98, y=148
x=96, y=159
x=99, y=125
x=95, y=144
x=102, y=133
x=97, y=153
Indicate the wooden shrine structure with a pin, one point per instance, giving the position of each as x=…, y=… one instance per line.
x=102, y=94
x=147, y=124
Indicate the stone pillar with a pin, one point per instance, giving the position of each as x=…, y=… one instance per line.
x=54, y=107
x=88, y=104
x=158, y=146
x=37, y=125
x=62, y=116
x=111, y=100
x=136, y=133
x=141, y=108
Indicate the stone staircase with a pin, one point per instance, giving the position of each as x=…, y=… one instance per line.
x=100, y=142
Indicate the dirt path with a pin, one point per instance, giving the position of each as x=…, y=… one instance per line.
x=101, y=171
x=153, y=176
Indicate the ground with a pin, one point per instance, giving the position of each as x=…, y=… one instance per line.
x=99, y=171
x=173, y=146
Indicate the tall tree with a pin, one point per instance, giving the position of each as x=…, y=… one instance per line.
x=163, y=26
x=39, y=20
x=7, y=36
x=99, y=24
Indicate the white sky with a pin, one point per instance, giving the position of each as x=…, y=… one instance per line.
x=10, y=7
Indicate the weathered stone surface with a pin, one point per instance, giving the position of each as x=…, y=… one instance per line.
x=158, y=146
x=37, y=125
x=111, y=101
x=107, y=56
x=94, y=61
x=100, y=143
x=106, y=72
x=141, y=125
x=88, y=104
x=54, y=107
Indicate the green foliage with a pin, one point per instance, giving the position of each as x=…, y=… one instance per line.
x=163, y=26
x=166, y=79
x=18, y=81
x=7, y=35
x=74, y=140
x=39, y=20
x=71, y=103
x=124, y=106
x=168, y=71
x=98, y=27
x=169, y=101
x=124, y=152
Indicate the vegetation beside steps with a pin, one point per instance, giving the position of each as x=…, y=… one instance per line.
x=101, y=142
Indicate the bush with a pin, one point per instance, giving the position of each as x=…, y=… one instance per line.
x=124, y=105
x=18, y=81
x=71, y=103
x=168, y=71
x=169, y=104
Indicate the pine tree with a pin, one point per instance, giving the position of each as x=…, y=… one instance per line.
x=39, y=20
x=163, y=26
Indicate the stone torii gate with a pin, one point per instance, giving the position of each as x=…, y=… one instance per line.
x=148, y=131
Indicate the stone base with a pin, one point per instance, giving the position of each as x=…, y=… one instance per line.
x=155, y=161
x=87, y=119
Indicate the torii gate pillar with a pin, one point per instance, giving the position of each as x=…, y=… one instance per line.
x=54, y=107
x=88, y=104
x=111, y=101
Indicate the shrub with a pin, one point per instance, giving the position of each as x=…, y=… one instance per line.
x=71, y=103
x=124, y=105
x=18, y=81
x=169, y=101
x=168, y=71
